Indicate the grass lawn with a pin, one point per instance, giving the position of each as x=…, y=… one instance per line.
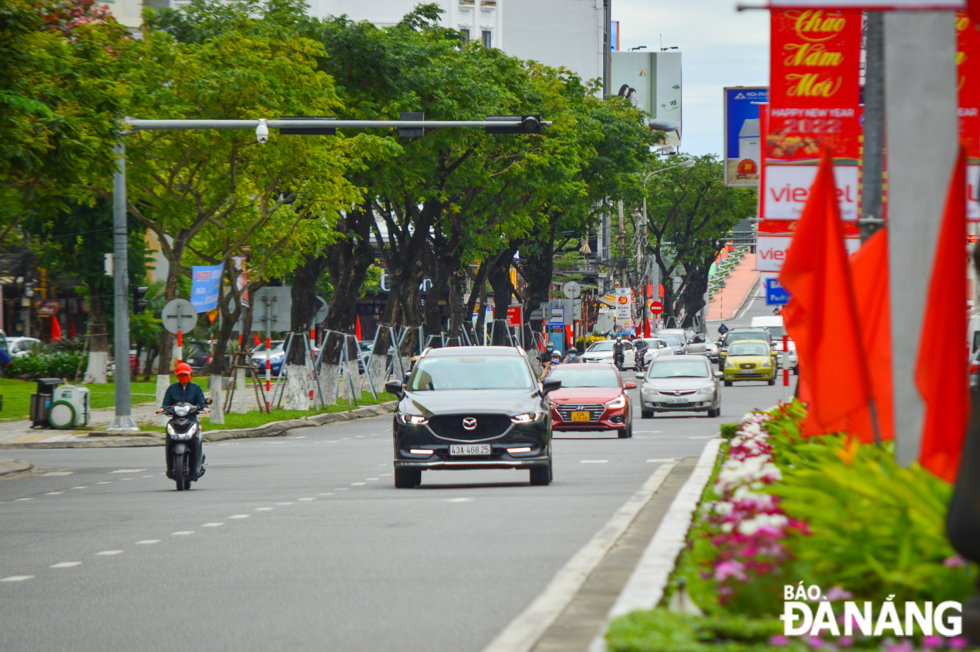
x=17, y=396
x=256, y=418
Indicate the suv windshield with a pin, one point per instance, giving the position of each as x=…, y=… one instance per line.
x=585, y=376
x=670, y=368
x=470, y=372
x=672, y=339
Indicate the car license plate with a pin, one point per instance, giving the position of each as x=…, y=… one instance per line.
x=470, y=449
x=746, y=371
x=679, y=399
x=580, y=416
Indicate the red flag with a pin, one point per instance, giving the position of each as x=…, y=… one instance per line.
x=55, y=329
x=71, y=329
x=821, y=315
x=943, y=380
x=357, y=328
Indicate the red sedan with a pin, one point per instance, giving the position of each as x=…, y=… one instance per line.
x=592, y=397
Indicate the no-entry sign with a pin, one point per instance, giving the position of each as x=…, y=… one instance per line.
x=656, y=307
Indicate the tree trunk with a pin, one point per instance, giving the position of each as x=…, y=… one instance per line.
x=305, y=305
x=98, y=358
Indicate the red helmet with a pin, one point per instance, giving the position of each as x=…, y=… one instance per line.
x=183, y=369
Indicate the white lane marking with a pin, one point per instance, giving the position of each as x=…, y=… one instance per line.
x=326, y=494
x=31, y=498
x=109, y=553
x=147, y=542
x=147, y=476
x=357, y=484
x=240, y=516
x=65, y=564
x=128, y=471
x=54, y=493
x=372, y=479
x=50, y=473
x=525, y=630
x=305, y=500
x=359, y=437
x=284, y=503
x=303, y=437
x=82, y=487
x=104, y=482
x=17, y=578
x=459, y=500
x=263, y=509
x=181, y=533
x=386, y=475
x=124, y=479
x=337, y=489
x=593, y=461
x=661, y=460
x=212, y=525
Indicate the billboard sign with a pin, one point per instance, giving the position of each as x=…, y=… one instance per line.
x=879, y=5
x=776, y=294
x=743, y=136
x=652, y=82
x=205, y=283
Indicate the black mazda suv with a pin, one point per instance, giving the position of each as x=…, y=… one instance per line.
x=474, y=407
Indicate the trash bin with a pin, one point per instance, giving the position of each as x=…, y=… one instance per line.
x=41, y=401
x=47, y=385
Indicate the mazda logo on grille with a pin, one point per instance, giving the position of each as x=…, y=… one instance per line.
x=469, y=423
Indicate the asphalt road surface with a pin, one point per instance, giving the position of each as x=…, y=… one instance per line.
x=302, y=542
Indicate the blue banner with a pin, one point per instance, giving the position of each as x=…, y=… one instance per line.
x=205, y=285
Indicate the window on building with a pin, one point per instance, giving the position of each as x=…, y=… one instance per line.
x=487, y=41
x=465, y=33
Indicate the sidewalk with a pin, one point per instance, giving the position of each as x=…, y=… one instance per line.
x=738, y=285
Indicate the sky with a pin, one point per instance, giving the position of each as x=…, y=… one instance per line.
x=720, y=47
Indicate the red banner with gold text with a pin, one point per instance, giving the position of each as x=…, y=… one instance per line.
x=968, y=78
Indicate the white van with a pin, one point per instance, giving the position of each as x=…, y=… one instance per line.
x=774, y=324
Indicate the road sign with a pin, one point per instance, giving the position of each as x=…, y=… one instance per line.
x=272, y=309
x=514, y=316
x=656, y=307
x=321, y=312
x=179, y=315
x=572, y=289
x=557, y=317
x=776, y=294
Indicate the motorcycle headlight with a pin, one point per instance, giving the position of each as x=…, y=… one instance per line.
x=412, y=419
x=618, y=402
x=729, y=364
x=529, y=417
x=171, y=431
x=181, y=410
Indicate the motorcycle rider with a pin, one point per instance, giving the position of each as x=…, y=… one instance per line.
x=183, y=391
x=547, y=354
x=572, y=357
x=641, y=352
x=619, y=352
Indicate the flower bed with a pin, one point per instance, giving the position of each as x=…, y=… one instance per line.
x=826, y=514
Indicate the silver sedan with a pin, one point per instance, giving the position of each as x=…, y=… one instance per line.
x=680, y=384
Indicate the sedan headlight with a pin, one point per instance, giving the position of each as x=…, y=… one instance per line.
x=529, y=417
x=729, y=364
x=411, y=419
x=706, y=391
x=766, y=363
x=618, y=402
x=648, y=391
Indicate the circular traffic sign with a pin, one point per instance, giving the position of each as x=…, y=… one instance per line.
x=179, y=315
x=656, y=307
x=321, y=312
x=572, y=290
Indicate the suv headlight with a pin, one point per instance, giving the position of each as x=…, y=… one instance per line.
x=411, y=419
x=529, y=417
x=618, y=402
x=729, y=364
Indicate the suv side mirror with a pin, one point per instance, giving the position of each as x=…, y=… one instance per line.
x=395, y=387
x=550, y=385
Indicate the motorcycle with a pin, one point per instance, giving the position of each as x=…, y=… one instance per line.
x=185, y=443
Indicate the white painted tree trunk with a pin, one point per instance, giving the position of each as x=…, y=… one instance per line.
x=98, y=361
x=377, y=371
x=355, y=379
x=217, y=401
x=328, y=382
x=296, y=388
x=163, y=382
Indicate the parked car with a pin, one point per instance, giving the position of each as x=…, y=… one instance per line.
x=19, y=347
x=675, y=338
x=472, y=407
x=275, y=356
x=680, y=384
x=750, y=360
x=738, y=335
x=602, y=352
x=197, y=355
x=592, y=397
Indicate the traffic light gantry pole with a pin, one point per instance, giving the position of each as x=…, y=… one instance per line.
x=123, y=422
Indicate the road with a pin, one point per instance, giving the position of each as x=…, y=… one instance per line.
x=301, y=542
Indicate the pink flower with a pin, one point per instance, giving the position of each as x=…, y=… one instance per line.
x=955, y=561
x=905, y=646
x=957, y=643
x=837, y=593
x=932, y=642
x=779, y=639
x=727, y=569
x=845, y=641
x=815, y=642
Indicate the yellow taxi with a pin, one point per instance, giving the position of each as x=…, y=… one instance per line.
x=750, y=360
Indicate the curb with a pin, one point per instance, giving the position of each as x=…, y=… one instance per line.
x=741, y=306
x=646, y=584
x=273, y=429
x=8, y=466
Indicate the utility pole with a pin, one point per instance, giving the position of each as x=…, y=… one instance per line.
x=607, y=47
x=622, y=247
x=123, y=420
x=873, y=156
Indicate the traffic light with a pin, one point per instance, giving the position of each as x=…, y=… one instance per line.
x=529, y=124
x=139, y=303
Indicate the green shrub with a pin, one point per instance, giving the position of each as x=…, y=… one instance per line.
x=57, y=364
x=662, y=631
x=728, y=430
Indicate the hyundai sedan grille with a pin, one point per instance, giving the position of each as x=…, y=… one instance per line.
x=565, y=410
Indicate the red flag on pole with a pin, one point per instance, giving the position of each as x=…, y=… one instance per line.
x=71, y=329
x=821, y=316
x=55, y=329
x=942, y=380
x=357, y=329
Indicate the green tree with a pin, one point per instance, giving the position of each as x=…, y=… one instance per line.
x=690, y=213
